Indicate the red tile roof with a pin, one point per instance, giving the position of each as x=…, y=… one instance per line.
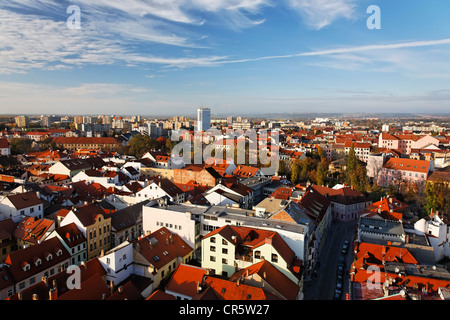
x=390, y=253
x=161, y=247
x=89, y=213
x=71, y=235
x=228, y=290
x=274, y=277
x=31, y=230
x=282, y=193
x=403, y=164
x=24, y=200
x=4, y=144
x=389, y=208
x=17, y=259
x=185, y=279
x=245, y=171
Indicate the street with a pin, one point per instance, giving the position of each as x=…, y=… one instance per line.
x=323, y=285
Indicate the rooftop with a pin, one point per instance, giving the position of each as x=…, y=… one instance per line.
x=244, y=216
x=381, y=226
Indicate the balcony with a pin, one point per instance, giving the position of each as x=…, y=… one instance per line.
x=244, y=257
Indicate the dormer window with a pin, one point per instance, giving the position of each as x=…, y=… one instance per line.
x=26, y=266
x=49, y=257
x=38, y=262
x=58, y=252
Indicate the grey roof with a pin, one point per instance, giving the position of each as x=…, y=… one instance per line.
x=244, y=216
x=381, y=226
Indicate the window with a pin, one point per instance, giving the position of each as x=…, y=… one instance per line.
x=224, y=242
x=31, y=210
x=212, y=249
x=212, y=258
x=274, y=258
x=257, y=254
x=224, y=261
x=212, y=240
x=224, y=250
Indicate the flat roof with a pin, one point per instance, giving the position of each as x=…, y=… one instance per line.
x=246, y=217
x=382, y=226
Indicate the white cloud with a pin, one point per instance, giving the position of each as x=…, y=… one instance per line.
x=321, y=13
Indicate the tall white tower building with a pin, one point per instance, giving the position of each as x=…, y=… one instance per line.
x=203, y=119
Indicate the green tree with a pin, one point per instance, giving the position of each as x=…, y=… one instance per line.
x=295, y=175
x=322, y=172
x=20, y=145
x=356, y=173
x=140, y=144
x=437, y=197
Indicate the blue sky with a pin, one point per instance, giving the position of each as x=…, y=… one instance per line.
x=169, y=57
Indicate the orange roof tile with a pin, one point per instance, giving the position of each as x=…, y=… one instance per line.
x=274, y=277
x=185, y=279
x=404, y=164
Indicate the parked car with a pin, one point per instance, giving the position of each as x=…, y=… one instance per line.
x=341, y=262
x=345, y=247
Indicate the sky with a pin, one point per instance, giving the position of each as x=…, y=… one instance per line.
x=170, y=57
